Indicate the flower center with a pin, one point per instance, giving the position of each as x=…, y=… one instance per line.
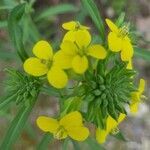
x=60, y=133
x=48, y=63
x=81, y=51
x=78, y=26
x=124, y=31
x=114, y=131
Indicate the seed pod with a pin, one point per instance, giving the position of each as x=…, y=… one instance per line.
x=89, y=97
x=90, y=112
x=97, y=92
x=98, y=101
x=108, y=79
x=102, y=87
x=100, y=79
x=93, y=84
x=103, y=96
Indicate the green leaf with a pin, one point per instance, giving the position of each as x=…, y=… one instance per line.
x=142, y=53
x=16, y=126
x=5, y=7
x=43, y=145
x=120, y=136
x=55, y=10
x=3, y=24
x=6, y=101
x=93, y=11
x=50, y=91
x=71, y=104
x=15, y=30
x=7, y=55
x=29, y=29
x=120, y=19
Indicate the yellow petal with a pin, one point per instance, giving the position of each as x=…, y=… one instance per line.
x=71, y=25
x=73, y=119
x=141, y=86
x=62, y=60
x=80, y=64
x=43, y=50
x=69, y=48
x=127, y=51
x=101, y=135
x=57, y=77
x=135, y=97
x=78, y=133
x=69, y=36
x=74, y=25
x=83, y=38
x=121, y=117
x=33, y=66
x=47, y=124
x=97, y=51
x=114, y=42
x=134, y=107
x=111, y=123
x=129, y=65
x=112, y=26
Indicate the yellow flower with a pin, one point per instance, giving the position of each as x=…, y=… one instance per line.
x=73, y=27
x=70, y=125
x=75, y=54
x=111, y=124
x=44, y=63
x=118, y=40
x=136, y=97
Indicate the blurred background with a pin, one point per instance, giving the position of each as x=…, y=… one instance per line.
x=44, y=22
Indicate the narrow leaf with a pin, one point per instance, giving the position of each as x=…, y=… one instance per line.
x=5, y=7
x=120, y=19
x=93, y=11
x=7, y=55
x=16, y=126
x=120, y=136
x=142, y=53
x=15, y=30
x=6, y=101
x=55, y=10
x=3, y=24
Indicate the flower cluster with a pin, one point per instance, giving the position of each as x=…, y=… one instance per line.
x=105, y=83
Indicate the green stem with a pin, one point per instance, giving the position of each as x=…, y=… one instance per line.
x=43, y=145
x=75, y=145
x=65, y=144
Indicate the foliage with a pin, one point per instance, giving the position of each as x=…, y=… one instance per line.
x=104, y=90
